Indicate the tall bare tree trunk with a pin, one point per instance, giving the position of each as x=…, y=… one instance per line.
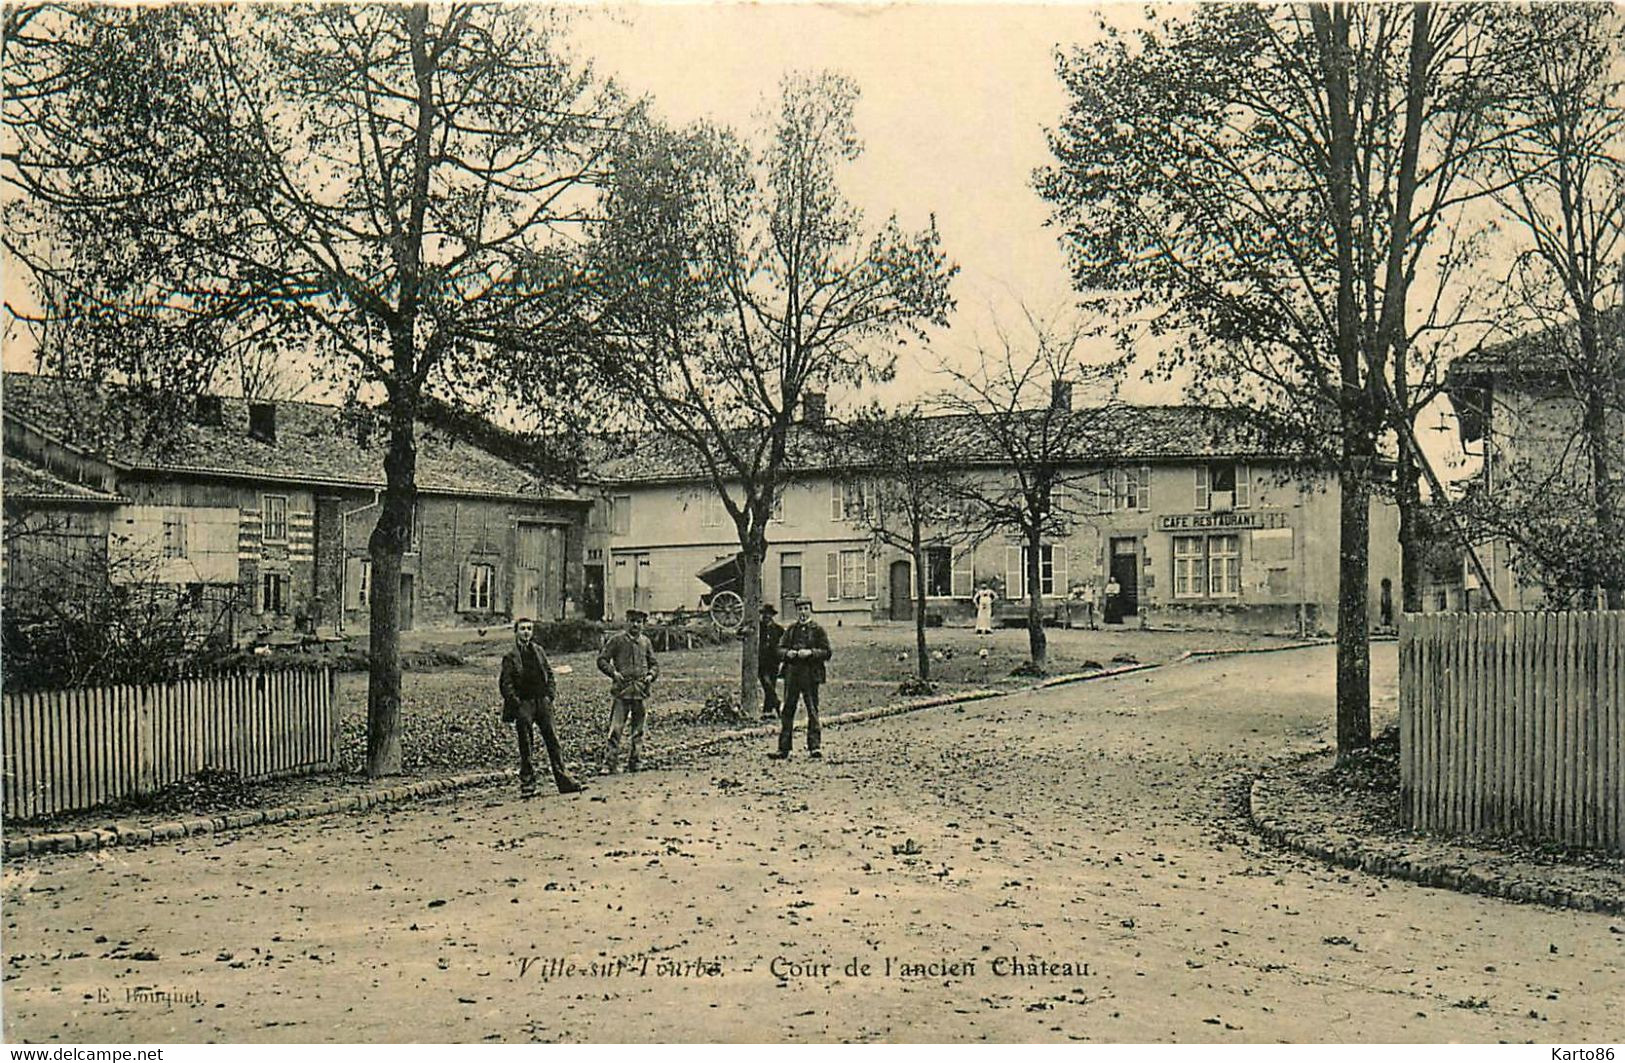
x=1037, y=641
x=750, y=589
x=919, y=607
x=386, y=547
x=1353, y=648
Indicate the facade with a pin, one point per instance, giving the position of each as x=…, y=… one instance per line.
x=1517, y=410
x=270, y=505
x=1227, y=539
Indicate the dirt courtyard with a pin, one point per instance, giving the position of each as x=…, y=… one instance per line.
x=1064, y=865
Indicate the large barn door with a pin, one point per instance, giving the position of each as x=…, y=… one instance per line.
x=538, y=585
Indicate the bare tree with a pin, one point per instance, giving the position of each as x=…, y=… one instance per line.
x=1260, y=188
x=1564, y=192
x=736, y=281
x=391, y=182
x=910, y=484
x=1046, y=452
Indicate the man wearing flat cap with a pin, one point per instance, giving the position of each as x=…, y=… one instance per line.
x=803, y=649
x=767, y=661
x=628, y=658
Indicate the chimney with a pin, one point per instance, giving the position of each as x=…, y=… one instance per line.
x=262, y=421
x=1060, y=394
x=813, y=406
x=209, y=410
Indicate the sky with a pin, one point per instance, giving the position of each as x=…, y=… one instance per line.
x=956, y=100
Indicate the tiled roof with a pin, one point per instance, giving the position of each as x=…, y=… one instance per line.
x=1532, y=354
x=1129, y=434
x=315, y=443
x=22, y=479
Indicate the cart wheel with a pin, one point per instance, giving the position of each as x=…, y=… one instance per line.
x=727, y=610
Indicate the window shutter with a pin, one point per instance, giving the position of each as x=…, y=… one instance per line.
x=1202, y=492
x=869, y=575
x=1244, y=489
x=832, y=585
x=962, y=580
x=1062, y=588
x=1145, y=487
x=1012, y=572
x=835, y=512
x=464, y=586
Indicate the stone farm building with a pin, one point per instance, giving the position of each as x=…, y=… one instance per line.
x=1198, y=525
x=1519, y=410
x=270, y=504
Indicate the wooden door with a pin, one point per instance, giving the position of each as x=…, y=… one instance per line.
x=789, y=586
x=902, y=591
x=538, y=584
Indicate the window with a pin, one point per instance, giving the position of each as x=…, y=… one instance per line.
x=174, y=534
x=1207, y=566
x=712, y=515
x=848, y=500
x=778, y=506
x=274, y=593
x=1222, y=485
x=1046, y=570
x=939, y=571
x=1223, y=566
x=1131, y=488
x=620, y=509
x=416, y=542
x=274, y=509
x=481, y=579
x=1190, y=575
x=851, y=575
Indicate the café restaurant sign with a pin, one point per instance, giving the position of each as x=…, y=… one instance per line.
x=1256, y=520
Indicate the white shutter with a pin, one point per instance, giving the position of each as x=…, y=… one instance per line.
x=1012, y=572
x=835, y=510
x=832, y=583
x=1244, y=489
x=464, y=585
x=869, y=575
x=1145, y=487
x=963, y=578
x=1059, y=556
x=1202, y=493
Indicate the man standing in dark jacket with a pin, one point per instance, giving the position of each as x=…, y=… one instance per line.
x=767, y=661
x=804, y=649
x=527, y=698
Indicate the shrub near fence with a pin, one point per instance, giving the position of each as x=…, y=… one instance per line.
x=1514, y=723
x=67, y=750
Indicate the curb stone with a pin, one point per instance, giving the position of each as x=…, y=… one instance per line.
x=130, y=835
x=1343, y=850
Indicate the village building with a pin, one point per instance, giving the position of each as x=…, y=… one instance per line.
x=1519, y=411
x=1196, y=527
x=266, y=507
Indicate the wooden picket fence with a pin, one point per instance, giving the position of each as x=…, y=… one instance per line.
x=75, y=749
x=1514, y=723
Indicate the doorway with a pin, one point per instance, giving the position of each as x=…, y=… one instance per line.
x=592, y=591
x=1125, y=572
x=902, y=591
x=538, y=585
x=789, y=584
